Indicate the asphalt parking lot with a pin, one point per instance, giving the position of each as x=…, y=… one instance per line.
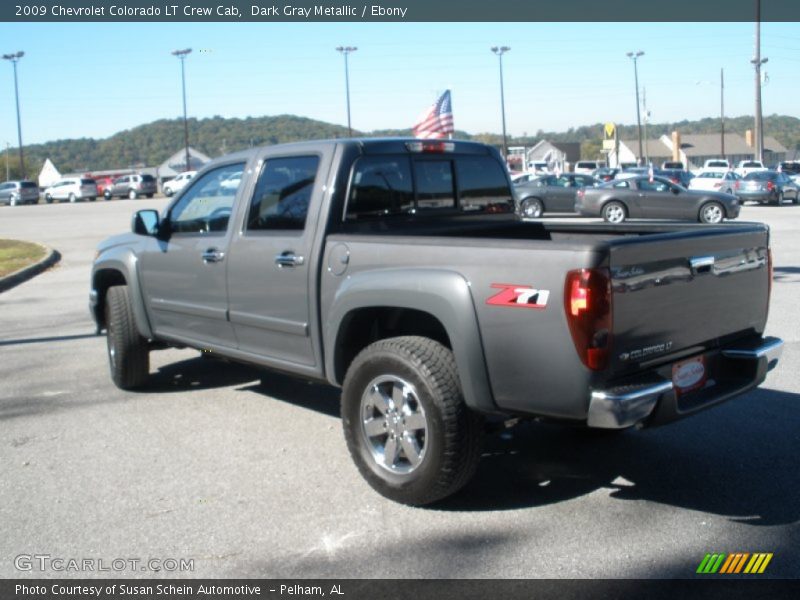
x=246, y=473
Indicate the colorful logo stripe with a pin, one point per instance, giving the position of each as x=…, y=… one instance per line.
x=736, y=562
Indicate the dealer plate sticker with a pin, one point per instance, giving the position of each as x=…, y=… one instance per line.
x=689, y=374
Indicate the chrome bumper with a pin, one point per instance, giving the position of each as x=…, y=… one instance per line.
x=629, y=405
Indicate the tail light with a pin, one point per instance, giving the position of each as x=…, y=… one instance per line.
x=580, y=193
x=770, y=186
x=434, y=147
x=675, y=180
x=737, y=186
x=587, y=302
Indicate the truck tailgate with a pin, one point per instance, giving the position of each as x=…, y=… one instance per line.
x=676, y=294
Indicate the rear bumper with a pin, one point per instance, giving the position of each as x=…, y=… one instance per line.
x=655, y=401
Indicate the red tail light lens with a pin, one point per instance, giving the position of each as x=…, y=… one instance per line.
x=587, y=303
x=580, y=193
x=737, y=186
x=770, y=186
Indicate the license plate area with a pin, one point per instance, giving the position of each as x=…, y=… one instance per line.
x=690, y=374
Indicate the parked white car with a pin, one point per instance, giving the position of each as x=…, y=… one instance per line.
x=715, y=181
x=716, y=164
x=72, y=189
x=588, y=166
x=173, y=186
x=745, y=167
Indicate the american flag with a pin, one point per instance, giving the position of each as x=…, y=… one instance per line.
x=650, y=173
x=437, y=121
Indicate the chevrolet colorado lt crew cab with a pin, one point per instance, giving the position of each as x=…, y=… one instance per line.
x=400, y=270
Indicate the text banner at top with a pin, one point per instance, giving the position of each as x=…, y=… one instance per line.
x=397, y=11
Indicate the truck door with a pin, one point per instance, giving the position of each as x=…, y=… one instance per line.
x=272, y=270
x=184, y=276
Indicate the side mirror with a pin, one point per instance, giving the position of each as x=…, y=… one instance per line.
x=145, y=222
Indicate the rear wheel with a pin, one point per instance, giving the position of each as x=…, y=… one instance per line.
x=72, y=198
x=407, y=428
x=614, y=212
x=133, y=195
x=128, y=354
x=711, y=212
x=168, y=192
x=13, y=201
x=48, y=198
x=107, y=195
x=532, y=208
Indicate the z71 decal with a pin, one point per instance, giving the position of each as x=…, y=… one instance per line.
x=518, y=296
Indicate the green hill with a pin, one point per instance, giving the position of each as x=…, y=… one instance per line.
x=153, y=143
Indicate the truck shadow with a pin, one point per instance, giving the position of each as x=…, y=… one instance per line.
x=738, y=460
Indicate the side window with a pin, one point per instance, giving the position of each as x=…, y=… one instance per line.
x=482, y=185
x=622, y=184
x=206, y=206
x=381, y=185
x=283, y=193
x=435, y=189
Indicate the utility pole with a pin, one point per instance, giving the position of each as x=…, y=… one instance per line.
x=8, y=172
x=722, y=112
x=14, y=58
x=757, y=61
x=181, y=54
x=646, y=117
x=499, y=51
x=634, y=56
x=345, y=51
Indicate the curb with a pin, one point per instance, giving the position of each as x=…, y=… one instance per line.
x=31, y=271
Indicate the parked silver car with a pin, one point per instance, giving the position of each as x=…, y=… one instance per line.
x=656, y=198
x=19, y=192
x=767, y=187
x=131, y=186
x=72, y=189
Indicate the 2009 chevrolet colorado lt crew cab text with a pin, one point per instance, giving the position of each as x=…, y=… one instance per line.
x=399, y=270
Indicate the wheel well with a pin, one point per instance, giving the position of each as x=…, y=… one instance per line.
x=610, y=200
x=104, y=279
x=362, y=327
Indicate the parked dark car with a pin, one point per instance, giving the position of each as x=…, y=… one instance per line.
x=767, y=187
x=790, y=167
x=19, y=192
x=641, y=198
x=132, y=186
x=605, y=173
x=551, y=193
x=679, y=176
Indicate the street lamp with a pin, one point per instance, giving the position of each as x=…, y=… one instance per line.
x=634, y=56
x=499, y=51
x=346, y=50
x=14, y=58
x=182, y=54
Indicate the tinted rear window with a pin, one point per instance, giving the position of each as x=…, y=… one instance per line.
x=387, y=185
x=759, y=176
x=749, y=165
x=148, y=178
x=88, y=182
x=27, y=184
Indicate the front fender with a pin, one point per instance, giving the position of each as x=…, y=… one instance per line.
x=124, y=261
x=445, y=295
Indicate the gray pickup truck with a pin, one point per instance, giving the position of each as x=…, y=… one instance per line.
x=400, y=270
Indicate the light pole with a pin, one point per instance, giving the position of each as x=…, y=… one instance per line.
x=634, y=56
x=181, y=54
x=499, y=51
x=14, y=58
x=757, y=61
x=346, y=50
x=8, y=172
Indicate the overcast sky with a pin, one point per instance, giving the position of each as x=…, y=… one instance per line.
x=92, y=80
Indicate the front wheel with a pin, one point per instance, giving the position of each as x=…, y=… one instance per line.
x=48, y=198
x=168, y=192
x=107, y=195
x=13, y=201
x=128, y=354
x=73, y=198
x=133, y=195
x=712, y=213
x=532, y=208
x=407, y=427
x=614, y=212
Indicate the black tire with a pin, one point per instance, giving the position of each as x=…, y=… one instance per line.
x=128, y=354
x=72, y=198
x=92, y=198
x=149, y=195
x=48, y=198
x=132, y=194
x=531, y=208
x=779, y=201
x=168, y=192
x=614, y=212
x=107, y=195
x=451, y=440
x=711, y=213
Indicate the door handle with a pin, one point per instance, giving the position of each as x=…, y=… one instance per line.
x=212, y=255
x=288, y=259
